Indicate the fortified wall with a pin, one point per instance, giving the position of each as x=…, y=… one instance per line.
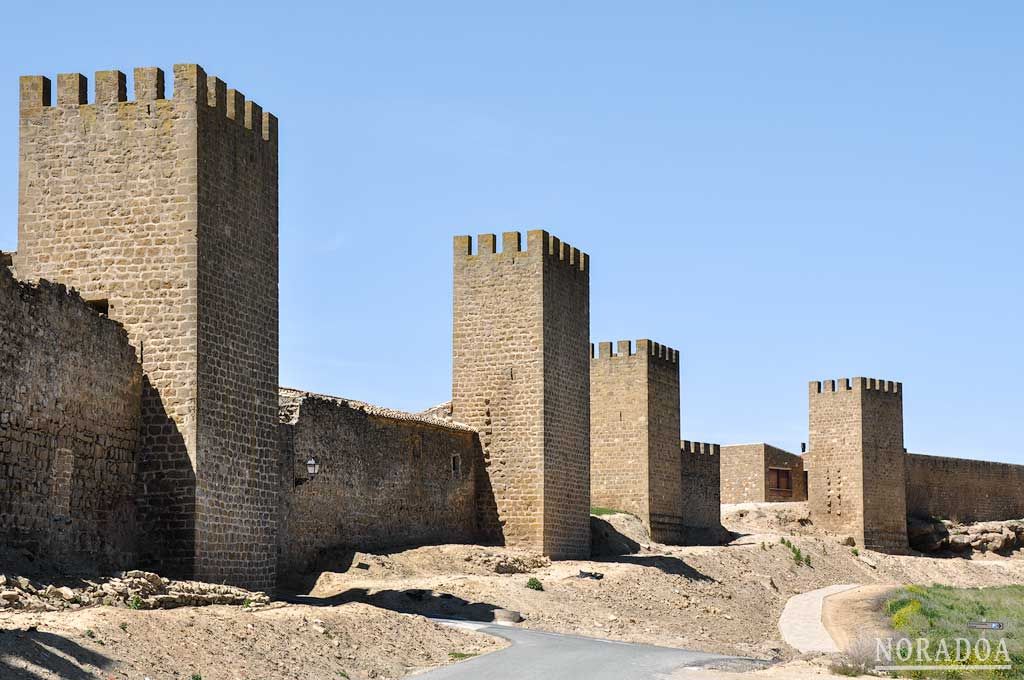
x=163, y=213
x=69, y=426
x=634, y=434
x=964, y=490
x=700, y=471
x=520, y=371
x=386, y=478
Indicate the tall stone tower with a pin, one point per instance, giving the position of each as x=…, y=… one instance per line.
x=856, y=459
x=163, y=213
x=521, y=370
x=634, y=435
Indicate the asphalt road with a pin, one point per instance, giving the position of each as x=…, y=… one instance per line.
x=551, y=656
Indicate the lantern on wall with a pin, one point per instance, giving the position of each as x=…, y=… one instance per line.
x=312, y=467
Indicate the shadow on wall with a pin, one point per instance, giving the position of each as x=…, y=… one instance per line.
x=410, y=601
x=489, y=527
x=33, y=654
x=166, y=498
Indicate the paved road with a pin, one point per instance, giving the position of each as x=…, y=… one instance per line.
x=551, y=656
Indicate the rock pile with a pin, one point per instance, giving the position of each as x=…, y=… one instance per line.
x=133, y=589
x=933, y=535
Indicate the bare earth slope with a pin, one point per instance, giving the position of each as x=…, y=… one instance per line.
x=228, y=643
x=724, y=599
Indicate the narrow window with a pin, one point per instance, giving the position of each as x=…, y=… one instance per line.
x=101, y=306
x=456, y=466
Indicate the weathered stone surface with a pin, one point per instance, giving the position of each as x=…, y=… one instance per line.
x=164, y=211
x=386, y=478
x=745, y=474
x=134, y=589
x=520, y=378
x=634, y=435
x=933, y=535
x=855, y=462
x=69, y=428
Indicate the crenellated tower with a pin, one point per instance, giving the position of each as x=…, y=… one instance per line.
x=856, y=461
x=520, y=377
x=701, y=467
x=163, y=213
x=634, y=434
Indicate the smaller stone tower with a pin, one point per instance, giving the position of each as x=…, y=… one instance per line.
x=856, y=461
x=634, y=434
x=520, y=377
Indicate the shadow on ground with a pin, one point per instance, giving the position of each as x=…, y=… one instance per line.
x=410, y=601
x=45, y=653
x=668, y=564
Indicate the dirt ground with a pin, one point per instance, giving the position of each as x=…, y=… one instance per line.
x=361, y=618
x=724, y=599
x=281, y=641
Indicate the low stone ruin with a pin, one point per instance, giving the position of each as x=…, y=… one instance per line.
x=133, y=589
x=936, y=536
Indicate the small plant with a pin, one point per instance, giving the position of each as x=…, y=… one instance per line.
x=123, y=626
x=343, y=674
x=534, y=584
x=798, y=557
x=196, y=676
x=135, y=602
x=854, y=552
x=90, y=633
x=246, y=603
x=807, y=560
x=460, y=656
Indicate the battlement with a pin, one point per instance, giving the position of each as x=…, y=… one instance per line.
x=191, y=84
x=700, y=448
x=537, y=241
x=855, y=384
x=626, y=348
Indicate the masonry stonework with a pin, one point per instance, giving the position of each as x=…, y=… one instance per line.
x=856, y=459
x=386, y=479
x=700, y=471
x=747, y=472
x=964, y=490
x=166, y=211
x=634, y=435
x=70, y=390
x=520, y=378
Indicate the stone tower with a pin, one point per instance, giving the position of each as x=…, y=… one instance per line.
x=634, y=435
x=163, y=213
x=856, y=460
x=520, y=377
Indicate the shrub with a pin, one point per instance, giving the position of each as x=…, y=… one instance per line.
x=534, y=584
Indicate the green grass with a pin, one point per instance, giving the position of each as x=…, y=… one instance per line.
x=600, y=512
x=534, y=584
x=943, y=613
x=461, y=656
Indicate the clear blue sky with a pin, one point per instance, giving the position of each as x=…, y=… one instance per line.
x=783, y=191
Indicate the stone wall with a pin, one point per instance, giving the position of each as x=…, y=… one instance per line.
x=856, y=461
x=387, y=479
x=784, y=460
x=70, y=390
x=746, y=474
x=743, y=473
x=634, y=434
x=964, y=490
x=700, y=468
x=520, y=377
x=166, y=210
